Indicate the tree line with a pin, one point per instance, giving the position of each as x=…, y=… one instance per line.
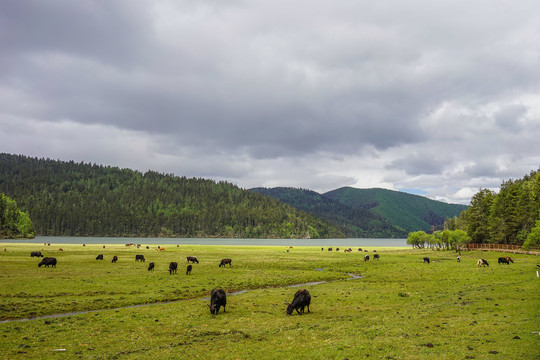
x=510, y=216
x=14, y=223
x=81, y=199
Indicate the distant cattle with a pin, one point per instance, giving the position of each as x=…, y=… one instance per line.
x=425, y=260
x=104, y=246
x=458, y=258
x=48, y=261
x=482, y=262
x=302, y=298
x=218, y=298
x=172, y=267
x=139, y=258
x=376, y=256
x=503, y=260
x=322, y=249
x=99, y=257
x=192, y=259
x=337, y=249
x=225, y=262
x=347, y=250
x=329, y=249
x=151, y=266
x=366, y=257
x=114, y=259
x=509, y=259
x=365, y=251
x=60, y=249
x=148, y=247
x=36, y=254
x=188, y=270
x=359, y=249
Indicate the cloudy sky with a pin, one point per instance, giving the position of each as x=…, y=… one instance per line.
x=438, y=98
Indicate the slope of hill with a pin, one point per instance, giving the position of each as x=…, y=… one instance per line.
x=78, y=199
x=355, y=222
x=407, y=211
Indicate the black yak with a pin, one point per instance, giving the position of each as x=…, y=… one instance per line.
x=300, y=301
x=172, y=267
x=225, y=262
x=218, y=298
x=48, y=261
x=151, y=266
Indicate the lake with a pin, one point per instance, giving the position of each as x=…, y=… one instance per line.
x=214, y=241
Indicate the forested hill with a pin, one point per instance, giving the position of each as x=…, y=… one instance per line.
x=407, y=211
x=355, y=222
x=78, y=199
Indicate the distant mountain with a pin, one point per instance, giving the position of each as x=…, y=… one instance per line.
x=355, y=222
x=78, y=199
x=406, y=211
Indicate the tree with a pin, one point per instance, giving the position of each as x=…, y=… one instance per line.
x=478, y=216
x=533, y=239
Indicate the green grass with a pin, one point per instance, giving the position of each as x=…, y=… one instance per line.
x=400, y=309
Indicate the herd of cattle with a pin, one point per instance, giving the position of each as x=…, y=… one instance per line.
x=218, y=297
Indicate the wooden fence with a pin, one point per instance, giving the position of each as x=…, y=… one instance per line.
x=516, y=249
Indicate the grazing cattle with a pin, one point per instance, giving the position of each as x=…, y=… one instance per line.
x=172, y=267
x=48, y=261
x=60, y=249
x=503, y=260
x=359, y=249
x=366, y=257
x=36, y=254
x=104, y=246
x=300, y=301
x=347, y=250
x=114, y=259
x=218, y=298
x=99, y=257
x=426, y=260
x=376, y=256
x=329, y=249
x=509, y=259
x=192, y=259
x=482, y=262
x=458, y=258
x=225, y=262
x=151, y=266
x=365, y=251
x=188, y=270
x=322, y=249
x=337, y=249
x=148, y=247
x=139, y=258
x=83, y=244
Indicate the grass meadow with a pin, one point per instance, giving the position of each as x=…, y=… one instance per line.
x=399, y=307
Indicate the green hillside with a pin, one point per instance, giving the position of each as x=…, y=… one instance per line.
x=408, y=212
x=355, y=222
x=78, y=199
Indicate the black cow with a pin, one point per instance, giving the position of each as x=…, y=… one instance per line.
x=114, y=259
x=329, y=249
x=359, y=249
x=426, y=260
x=509, y=259
x=48, y=261
x=376, y=256
x=218, y=298
x=151, y=266
x=482, y=262
x=503, y=260
x=139, y=258
x=172, y=267
x=300, y=301
x=366, y=257
x=337, y=249
x=36, y=253
x=225, y=262
x=99, y=257
x=188, y=270
x=192, y=259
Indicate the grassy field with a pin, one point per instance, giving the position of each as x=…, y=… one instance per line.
x=400, y=308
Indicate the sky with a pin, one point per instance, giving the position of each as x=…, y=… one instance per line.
x=437, y=98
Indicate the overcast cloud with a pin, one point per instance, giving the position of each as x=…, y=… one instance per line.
x=439, y=98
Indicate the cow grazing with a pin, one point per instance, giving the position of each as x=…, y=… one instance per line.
x=188, y=270
x=329, y=249
x=359, y=249
x=503, y=260
x=99, y=257
x=426, y=260
x=218, y=298
x=509, y=259
x=60, y=249
x=139, y=258
x=458, y=258
x=48, y=261
x=151, y=266
x=337, y=249
x=36, y=254
x=192, y=259
x=347, y=250
x=322, y=249
x=300, y=301
x=114, y=259
x=225, y=262
x=376, y=256
x=172, y=267
x=366, y=257
x=482, y=262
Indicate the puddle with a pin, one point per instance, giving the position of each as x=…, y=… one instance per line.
x=240, y=292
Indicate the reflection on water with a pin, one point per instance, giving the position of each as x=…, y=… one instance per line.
x=206, y=241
